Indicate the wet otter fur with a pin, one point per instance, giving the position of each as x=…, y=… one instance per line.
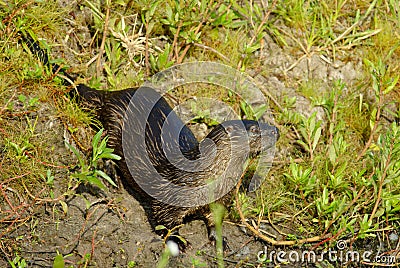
x=227, y=137
x=221, y=150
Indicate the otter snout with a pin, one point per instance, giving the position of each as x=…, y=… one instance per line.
x=275, y=132
x=269, y=131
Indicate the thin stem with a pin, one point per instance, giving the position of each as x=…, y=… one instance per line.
x=103, y=42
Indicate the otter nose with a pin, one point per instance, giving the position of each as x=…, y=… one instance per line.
x=275, y=132
x=270, y=130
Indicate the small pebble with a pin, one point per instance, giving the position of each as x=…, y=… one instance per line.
x=173, y=248
x=243, y=252
x=393, y=237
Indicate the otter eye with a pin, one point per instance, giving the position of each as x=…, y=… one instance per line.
x=254, y=129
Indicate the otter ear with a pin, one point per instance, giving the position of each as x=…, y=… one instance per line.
x=229, y=129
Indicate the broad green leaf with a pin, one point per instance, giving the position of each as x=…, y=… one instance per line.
x=110, y=156
x=95, y=181
x=316, y=138
x=391, y=86
x=76, y=153
x=305, y=146
x=59, y=261
x=260, y=111
x=96, y=139
x=332, y=154
x=106, y=177
x=64, y=206
x=153, y=8
x=160, y=227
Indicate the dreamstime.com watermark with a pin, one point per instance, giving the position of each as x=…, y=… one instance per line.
x=340, y=254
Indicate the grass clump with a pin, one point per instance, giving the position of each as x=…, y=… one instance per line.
x=336, y=172
x=336, y=183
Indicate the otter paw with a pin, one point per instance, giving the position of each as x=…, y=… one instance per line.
x=213, y=239
x=175, y=240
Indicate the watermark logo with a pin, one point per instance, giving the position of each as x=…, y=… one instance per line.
x=340, y=254
x=158, y=146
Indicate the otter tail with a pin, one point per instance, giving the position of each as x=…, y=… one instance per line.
x=88, y=97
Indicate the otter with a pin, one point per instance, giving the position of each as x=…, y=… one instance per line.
x=221, y=150
x=161, y=184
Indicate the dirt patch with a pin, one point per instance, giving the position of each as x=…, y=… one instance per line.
x=115, y=231
x=94, y=228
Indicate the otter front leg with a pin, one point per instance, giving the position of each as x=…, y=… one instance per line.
x=180, y=241
x=167, y=220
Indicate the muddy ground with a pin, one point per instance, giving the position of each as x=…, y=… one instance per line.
x=114, y=229
x=111, y=226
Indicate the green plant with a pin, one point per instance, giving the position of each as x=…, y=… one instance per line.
x=303, y=179
x=381, y=85
x=322, y=37
x=197, y=263
x=59, y=261
x=28, y=103
x=121, y=38
x=202, y=114
x=190, y=22
x=18, y=262
x=386, y=170
x=20, y=149
x=162, y=61
x=250, y=113
x=49, y=179
x=164, y=259
x=339, y=181
x=259, y=23
x=89, y=171
x=227, y=17
x=132, y=264
x=218, y=212
x=311, y=133
x=85, y=261
x=245, y=205
x=23, y=144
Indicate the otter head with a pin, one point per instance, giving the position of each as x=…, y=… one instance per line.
x=244, y=134
x=261, y=136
